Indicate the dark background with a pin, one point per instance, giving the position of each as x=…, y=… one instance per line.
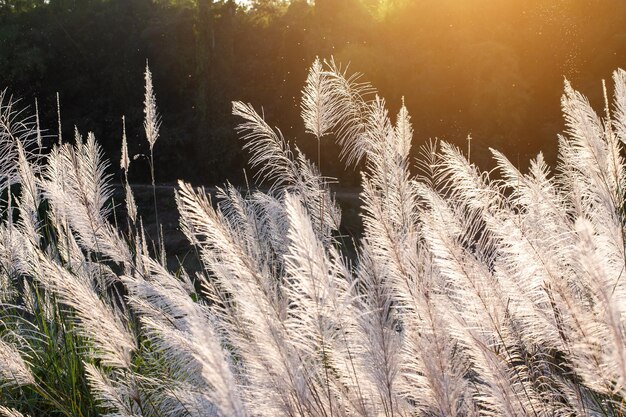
x=492, y=68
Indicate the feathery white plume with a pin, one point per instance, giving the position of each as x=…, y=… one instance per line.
x=271, y=153
x=76, y=184
x=14, y=372
x=318, y=97
x=152, y=120
x=10, y=412
x=124, y=159
x=113, y=343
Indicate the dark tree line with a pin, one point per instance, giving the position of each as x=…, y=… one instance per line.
x=491, y=68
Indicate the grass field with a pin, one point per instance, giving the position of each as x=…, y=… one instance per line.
x=437, y=289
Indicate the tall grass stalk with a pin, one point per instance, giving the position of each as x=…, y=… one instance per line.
x=152, y=124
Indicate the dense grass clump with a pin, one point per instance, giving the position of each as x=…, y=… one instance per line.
x=472, y=293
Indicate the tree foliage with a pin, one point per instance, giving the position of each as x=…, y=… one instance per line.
x=487, y=68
